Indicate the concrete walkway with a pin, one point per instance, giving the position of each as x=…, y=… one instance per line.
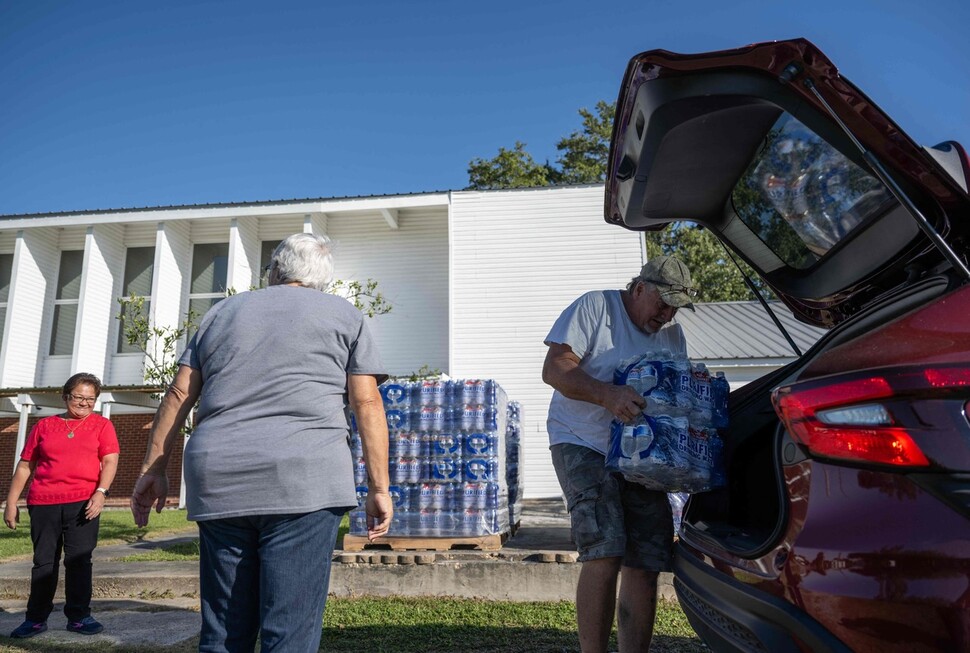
x=537, y=563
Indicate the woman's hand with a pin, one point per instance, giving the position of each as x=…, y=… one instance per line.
x=11, y=516
x=95, y=505
x=149, y=489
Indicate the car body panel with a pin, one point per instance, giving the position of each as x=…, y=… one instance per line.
x=864, y=594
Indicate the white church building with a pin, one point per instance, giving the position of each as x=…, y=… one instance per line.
x=475, y=279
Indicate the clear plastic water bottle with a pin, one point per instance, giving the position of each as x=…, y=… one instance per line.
x=720, y=389
x=472, y=417
x=395, y=395
x=432, y=392
x=679, y=375
x=360, y=472
x=478, y=445
x=701, y=415
x=472, y=391
x=474, y=495
x=677, y=502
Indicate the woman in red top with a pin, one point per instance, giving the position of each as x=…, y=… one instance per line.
x=73, y=458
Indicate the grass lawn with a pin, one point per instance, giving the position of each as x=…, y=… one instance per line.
x=438, y=625
x=117, y=526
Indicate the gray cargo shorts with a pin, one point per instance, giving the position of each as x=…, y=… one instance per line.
x=610, y=516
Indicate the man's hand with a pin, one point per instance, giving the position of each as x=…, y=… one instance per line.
x=379, y=509
x=150, y=488
x=11, y=516
x=624, y=402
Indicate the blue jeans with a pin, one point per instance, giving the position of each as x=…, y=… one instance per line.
x=265, y=575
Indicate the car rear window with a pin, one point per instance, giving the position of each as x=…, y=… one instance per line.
x=802, y=197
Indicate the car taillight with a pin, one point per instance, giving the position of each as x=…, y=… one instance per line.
x=850, y=418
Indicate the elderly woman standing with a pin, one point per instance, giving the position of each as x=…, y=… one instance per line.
x=268, y=468
x=73, y=458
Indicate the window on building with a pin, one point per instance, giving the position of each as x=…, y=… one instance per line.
x=210, y=266
x=137, y=282
x=265, y=256
x=66, y=303
x=6, y=270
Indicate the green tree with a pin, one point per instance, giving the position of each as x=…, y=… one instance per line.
x=585, y=153
x=513, y=168
x=713, y=272
x=363, y=295
x=157, y=343
x=582, y=159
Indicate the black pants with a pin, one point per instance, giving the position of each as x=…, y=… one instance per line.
x=53, y=529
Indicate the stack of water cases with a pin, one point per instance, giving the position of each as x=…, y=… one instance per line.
x=513, y=459
x=453, y=461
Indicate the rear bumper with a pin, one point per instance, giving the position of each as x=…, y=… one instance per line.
x=732, y=617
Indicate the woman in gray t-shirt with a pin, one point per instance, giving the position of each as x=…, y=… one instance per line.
x=268, y=468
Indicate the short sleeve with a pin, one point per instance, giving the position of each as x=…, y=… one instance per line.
x=33, y=439
x=107, y=439
x=364, y=356
x=577, y=324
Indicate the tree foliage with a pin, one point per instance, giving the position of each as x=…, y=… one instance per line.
x=159, y=344
x=513, y=168
x=583, y=159
x=363, y=295
x=712, y=271
x=585, y=152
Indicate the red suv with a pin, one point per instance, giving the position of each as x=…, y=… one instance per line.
x=845, y=523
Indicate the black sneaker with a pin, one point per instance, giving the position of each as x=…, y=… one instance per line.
x=86, y=626
x=28, y=629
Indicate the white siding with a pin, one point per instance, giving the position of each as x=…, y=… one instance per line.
x=103, y=262
x=411, y=265
x=518, y=259
x=279, y=228
x=140, y=234
x=31, y=287
x=210, y=231
x=243, y=254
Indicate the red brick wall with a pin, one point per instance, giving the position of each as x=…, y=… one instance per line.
x=132, y=432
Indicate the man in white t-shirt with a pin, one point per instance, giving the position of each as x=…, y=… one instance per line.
x=616, y=525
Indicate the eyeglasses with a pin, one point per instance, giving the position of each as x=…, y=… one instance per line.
x=673, y=288
x=78, y=399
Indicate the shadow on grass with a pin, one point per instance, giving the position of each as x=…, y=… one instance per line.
x=476, y=639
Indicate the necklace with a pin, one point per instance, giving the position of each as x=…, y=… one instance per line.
x=71, y=429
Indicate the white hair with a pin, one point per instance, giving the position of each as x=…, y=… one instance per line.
x=649, y=285
x=306, y=259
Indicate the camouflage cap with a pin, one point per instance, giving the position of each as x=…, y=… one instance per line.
x=672, y=279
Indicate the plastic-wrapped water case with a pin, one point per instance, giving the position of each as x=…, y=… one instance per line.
x=674, y=445
x=454, y=455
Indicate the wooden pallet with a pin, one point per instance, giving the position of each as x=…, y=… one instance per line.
x=407, y=543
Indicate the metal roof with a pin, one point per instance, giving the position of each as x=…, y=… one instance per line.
x=218, y=205
x=743, y=330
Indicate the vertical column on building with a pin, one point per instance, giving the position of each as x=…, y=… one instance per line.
x=97, y=307
x=243, y=263
x=170, y=284
x=170, y=277
x=32, y=282
x=315, y=223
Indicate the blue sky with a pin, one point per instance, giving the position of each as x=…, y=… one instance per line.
x=109, y=104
